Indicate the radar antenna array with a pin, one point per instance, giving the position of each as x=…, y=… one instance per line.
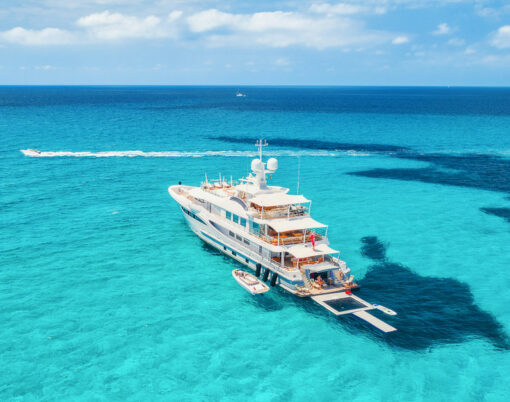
x=261, y=143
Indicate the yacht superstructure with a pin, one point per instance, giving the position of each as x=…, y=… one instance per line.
x=271, y=232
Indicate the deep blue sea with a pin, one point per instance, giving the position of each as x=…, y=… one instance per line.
x=106, y=295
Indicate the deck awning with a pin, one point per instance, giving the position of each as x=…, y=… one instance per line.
x=286, y=225
x=278, y=199
x=316, y=268
x=303, y=251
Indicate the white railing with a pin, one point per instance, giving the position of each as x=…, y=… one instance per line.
x=277, y=213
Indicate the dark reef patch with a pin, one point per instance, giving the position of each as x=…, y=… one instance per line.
x=318, y=145
x=373, y=248
x=480, y=171
x=486, y=172
x=500, y=212
x=431, y=311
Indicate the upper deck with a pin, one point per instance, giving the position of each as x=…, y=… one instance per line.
x=280, y=230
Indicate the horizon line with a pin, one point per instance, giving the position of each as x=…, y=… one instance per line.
x=259, y=85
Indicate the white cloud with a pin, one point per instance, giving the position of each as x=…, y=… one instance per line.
x=45, y=67
x=400, y=40
x=46, y=36
x=442, y=29
x=321, y=26
x=489, y=12
x=282, y=29
x=456, y=42
x=104, y=26
x=174, y=15
x=486, y=12
x=347, y=8
x=501, y=39
x=114, y=26
x=282, y=62
x=212, y=19
x=340, y=8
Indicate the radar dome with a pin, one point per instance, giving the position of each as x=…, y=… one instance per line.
x=272, y=164
x=257, y=165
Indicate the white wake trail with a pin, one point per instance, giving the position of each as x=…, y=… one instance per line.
x=179, y=154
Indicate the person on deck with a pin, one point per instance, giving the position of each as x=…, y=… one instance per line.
x=320, y=281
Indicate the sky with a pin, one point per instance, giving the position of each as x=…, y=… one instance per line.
x=209, y=42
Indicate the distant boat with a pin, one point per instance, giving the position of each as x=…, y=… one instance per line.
x=31, y=152
x=250, y=282
x=240, y=95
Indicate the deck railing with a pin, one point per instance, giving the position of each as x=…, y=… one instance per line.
x=278, y=213
x=286, y=240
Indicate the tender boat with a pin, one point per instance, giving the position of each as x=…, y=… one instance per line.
x=272, y=233
x=250, y=282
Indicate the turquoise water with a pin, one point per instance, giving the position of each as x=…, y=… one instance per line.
x=106, y=294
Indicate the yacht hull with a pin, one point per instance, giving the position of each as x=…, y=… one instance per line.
x=205, y=230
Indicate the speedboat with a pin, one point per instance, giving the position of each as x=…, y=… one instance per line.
x=240, y=95
x=31, y=152
x=249, y=282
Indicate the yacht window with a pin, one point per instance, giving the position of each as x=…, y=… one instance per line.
x=234, y=253
x=247, y=261
x=239, y=238
x=260, y=249
x=228, y=215
x=231, y=233
x=246, y=242
x=243, y=222
x=235, y=218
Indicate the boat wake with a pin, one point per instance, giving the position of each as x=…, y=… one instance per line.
x=178, y=154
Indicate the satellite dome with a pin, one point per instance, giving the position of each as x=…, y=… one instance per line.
x=272, y=164
x=257, y=165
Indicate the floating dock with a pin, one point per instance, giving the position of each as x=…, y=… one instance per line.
x=342, y=303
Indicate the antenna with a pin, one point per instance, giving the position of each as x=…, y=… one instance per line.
x=261, y=143
x=298, y=170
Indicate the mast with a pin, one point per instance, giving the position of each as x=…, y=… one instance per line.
x=261, y=143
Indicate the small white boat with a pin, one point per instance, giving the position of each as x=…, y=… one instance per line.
x=240, y=95
x=385, y=310
x=250, y=282
x=31, y=152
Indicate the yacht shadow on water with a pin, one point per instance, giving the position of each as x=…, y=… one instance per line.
x=431, y=311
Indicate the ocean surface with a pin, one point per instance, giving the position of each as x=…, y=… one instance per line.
x=106, y=295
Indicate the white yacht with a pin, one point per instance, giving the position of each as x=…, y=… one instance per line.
x=271, y=232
